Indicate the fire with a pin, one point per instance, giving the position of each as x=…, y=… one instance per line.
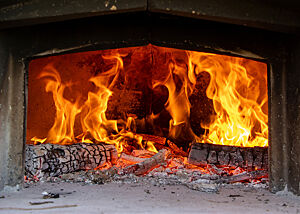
x=62, y=129
x=178, y=104
x=94, y=121
x=237, y=89
x=94, y=124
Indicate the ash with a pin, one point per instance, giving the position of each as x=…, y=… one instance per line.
x=161, y=176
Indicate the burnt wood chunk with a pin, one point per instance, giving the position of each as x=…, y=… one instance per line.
x=249, y=159
x=258, y=158
x=54, y=160
x=220, y=155
x=233, y=159
x=148, y=164
x=198, y=155
x=223, y=158
x=265, y=161
x=212, y=157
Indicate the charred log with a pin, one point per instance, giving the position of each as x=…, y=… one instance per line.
x=153, y=138
x=131, y=158
x=148, y=164
x=251, y=158
x=175, y=150
x=54, y=160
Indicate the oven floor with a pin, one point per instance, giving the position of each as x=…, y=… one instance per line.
x=146, y=198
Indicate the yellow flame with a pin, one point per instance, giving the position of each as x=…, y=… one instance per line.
x=62, y=130
x=178, y=104
x=37, y=140
x=238, y=88
x=94, y=123
x=150, y=147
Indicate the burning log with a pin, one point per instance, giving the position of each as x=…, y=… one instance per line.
x=162, y=142
x=251, y=158
x=142, y=153
x=147, y=165
x=153, y=138
x=158, y=141
x=176, y=150
x=55, y=160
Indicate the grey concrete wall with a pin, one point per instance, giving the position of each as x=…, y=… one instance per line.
x=281, y=15
x=278, y=132
x=4, y=139
x=11, y=117
x=284, y=123
x=293, y=114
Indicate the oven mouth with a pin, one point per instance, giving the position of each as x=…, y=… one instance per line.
x=147, y=102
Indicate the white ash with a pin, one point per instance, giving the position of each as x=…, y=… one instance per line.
x=160, y=176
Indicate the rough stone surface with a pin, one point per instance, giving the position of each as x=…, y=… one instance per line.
x=147, y=198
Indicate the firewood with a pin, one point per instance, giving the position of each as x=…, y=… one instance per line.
x=245, y=176
x=153, y=138
x=142, y=153
x=221, y=155
x=54, y=160
x=177, y=151
x=130, y=144
x=147, y=165
x=131, y=158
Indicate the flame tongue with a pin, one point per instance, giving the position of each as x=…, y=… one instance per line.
x=94, y=121
x=238, y=90
x=66, y=111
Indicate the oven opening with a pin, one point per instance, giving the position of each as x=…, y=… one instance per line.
x=149, y=111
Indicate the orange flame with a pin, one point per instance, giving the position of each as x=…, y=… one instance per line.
x=237, y=88
x=94, y=123
x=66, y=111
x=178, y=104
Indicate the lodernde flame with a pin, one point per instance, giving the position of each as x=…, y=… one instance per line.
x=95, y=126
x=237, y=88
